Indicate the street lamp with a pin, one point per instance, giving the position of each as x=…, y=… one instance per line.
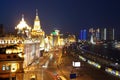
x=43, y=67
x=43, y=72
x=10, y=72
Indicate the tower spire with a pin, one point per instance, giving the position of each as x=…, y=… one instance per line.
x=37, y=22
x=22, y=17
x=36, y=12
x=37, y=18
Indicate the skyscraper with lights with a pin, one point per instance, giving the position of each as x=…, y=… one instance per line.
x=107, y=34
x=83, y=34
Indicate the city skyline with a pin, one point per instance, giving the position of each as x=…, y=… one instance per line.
x=68, y=16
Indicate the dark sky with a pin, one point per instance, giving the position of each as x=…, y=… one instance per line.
x=66, y=15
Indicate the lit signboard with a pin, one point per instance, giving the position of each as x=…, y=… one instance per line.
x=76, y=64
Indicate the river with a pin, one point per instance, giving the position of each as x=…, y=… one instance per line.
x=107, y=51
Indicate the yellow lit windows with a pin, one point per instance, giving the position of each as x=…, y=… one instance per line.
x=3, y=67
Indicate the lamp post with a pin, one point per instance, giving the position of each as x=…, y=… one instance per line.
x=43, y=67
x=10, y=72
x=42, y=74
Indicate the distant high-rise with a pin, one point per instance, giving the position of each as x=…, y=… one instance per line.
x=110, y=34
x=103, y=34
x=107, y=34
x=92, y=34
x=97, y=34
x=1, y=30
x=83, y=34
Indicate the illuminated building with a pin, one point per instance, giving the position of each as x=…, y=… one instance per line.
x=50, y=40
x=110, y=34
x=61, y=40
x=11, y=61
x=102, y=34
x=107, y=34
x=37, y=26
x=31, y=51
x=11, y=44
x=92, y=40
x=69, y=38
x=1, y=30
x=11, y=67
x=92, y=36
x=117, y=45
x=56, y=39
x=83, y=34
x=23, y=29
x=97, y=34
x=10, y=40
x=47, y=44
x=56, y=36
x=37, y=32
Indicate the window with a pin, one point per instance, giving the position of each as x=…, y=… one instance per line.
x=14, y=56
x=8, y=57
x=7, y=67
x=3, y=67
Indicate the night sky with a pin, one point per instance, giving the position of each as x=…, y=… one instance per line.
x=66, y=15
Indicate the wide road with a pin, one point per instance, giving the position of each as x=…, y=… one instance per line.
x=85, y=72
x=57, y=64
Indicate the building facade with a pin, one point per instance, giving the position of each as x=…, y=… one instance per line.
x=31, y=52
x=11, y=67
x=37, y=32
x=107, y=34
x=83, y=35
x=23, y=29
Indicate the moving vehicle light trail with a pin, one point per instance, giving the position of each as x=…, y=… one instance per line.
x=107, y=69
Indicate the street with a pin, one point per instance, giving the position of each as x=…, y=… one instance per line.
x=54, y=64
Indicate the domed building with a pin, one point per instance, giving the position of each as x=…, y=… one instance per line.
x=23, y=28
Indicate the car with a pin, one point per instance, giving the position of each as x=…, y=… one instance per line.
x=61, y=78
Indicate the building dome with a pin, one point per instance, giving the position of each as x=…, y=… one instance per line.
x=23, y=25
